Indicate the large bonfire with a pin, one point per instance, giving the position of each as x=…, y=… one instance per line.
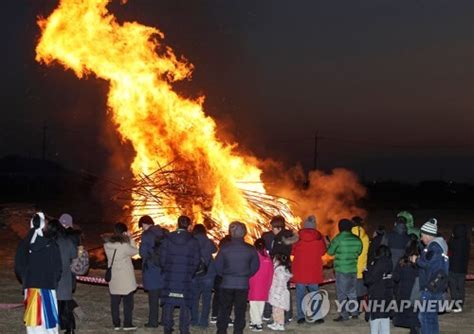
x=180, y=165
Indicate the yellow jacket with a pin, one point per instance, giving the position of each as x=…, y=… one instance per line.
x=362, y=260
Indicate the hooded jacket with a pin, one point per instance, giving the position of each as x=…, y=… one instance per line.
x=362, y=260
x=433, y=259
x=378, y=278
x=397, y=240
x=459, y=249
x=260, y=283
x=346, y=248
x=123, y=275
x=179, y=259
x=282, y=242
x=236, y=262
x=38, y=265
x=68, y=252
x=152, y=277
x=207, y=248
x=411, y=229
x=307, y=264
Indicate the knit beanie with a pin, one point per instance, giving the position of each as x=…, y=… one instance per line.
x=430, y=227
x=66, y=220
x=310, y=222
x=345, y=225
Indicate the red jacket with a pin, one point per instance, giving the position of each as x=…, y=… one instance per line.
x=307, y=263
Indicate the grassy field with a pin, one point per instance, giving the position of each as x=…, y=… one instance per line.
x=94, y=300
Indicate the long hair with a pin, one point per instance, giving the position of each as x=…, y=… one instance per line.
x=282, y=260
x=260, y=246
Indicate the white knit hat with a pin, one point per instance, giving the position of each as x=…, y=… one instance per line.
x=430, y=227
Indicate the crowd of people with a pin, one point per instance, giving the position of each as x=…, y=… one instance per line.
x=212, y=284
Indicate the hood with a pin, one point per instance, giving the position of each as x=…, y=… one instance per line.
x=309, y=234
x=180, y=237
x=400, y=229
x=359, y=231
x=156, y=231
x=408, y=217
x=460, y=231
x=40, y=243
x=114, y=240
x=441, y=242
x=290, y=240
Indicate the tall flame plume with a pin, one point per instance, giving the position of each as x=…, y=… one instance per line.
x=161, y=125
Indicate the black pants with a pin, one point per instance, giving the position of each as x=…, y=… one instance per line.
x=127, y=309
x=184, y=318
x=229, y=298
x=66, y=314
x=153, y=306
x=456, y=286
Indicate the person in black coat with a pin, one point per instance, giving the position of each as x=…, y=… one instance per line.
x=236, y=262
x=378, y=279
x=217, y=285
x=405, y=278
x=397, y=240
x=459, y=249
x=203, y=283
x=279, y=241
x=38, y=267
x=179, y=258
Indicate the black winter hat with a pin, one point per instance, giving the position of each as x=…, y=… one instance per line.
x=345, y=225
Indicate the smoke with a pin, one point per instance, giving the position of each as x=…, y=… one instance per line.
x=330, y=197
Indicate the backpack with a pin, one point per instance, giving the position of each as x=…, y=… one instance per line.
x=80, y=265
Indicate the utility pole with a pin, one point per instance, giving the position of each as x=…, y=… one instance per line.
x=315, y=157
x=45, y=128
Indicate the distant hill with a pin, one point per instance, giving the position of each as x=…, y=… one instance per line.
x=24, y=179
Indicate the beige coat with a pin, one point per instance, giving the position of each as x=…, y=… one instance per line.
x=123, y=276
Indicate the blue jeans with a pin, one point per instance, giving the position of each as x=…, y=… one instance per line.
x=300, y=293
x=428, y=316
x=201, y=287
x=346, y=292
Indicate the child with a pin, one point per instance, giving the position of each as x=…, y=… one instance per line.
x=279, y=295
x=405, y=278
x=259, y=286
x=378, y=278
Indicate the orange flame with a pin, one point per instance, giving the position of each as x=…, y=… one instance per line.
x=161, y=125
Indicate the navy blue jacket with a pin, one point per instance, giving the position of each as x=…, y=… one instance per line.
x=152, y=278
x=179, y=259
x=207, y=248
x=433, y=259
x=38, y=265
x=236, y=262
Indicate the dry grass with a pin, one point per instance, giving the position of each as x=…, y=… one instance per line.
x=94, y=301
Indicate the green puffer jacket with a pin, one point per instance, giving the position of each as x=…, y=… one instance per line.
x=346, y=247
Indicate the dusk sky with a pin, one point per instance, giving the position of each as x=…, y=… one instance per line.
x=388, y=85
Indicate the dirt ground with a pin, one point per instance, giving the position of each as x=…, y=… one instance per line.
x=94, y=300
